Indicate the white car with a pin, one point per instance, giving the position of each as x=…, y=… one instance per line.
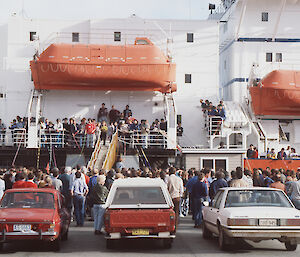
x=254, y=214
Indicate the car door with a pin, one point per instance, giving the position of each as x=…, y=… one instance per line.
x=63, y=213
x=214, y=210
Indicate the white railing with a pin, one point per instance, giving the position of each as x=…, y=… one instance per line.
x=213, y=125
x=47, y=138
x=134, y=139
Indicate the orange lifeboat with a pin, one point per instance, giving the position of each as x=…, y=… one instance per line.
x=277, y=94
x=138, y=67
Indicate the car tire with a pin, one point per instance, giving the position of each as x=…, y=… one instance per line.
x=1, y=246
x=55, y=245
x=167, y=243
x=290, y=247
x=110, y=243
x=65, y=236
x=206, y=233
x=223, y=240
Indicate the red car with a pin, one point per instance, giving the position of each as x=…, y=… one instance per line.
x=139, y=208
x=34, y=214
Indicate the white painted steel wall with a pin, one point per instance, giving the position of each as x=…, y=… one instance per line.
x=237, y=58
x=199, y=58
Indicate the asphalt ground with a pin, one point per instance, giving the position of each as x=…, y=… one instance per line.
x=188, y=242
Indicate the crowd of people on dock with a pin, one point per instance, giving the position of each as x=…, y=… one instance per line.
x=283, y=154
x=85, y=191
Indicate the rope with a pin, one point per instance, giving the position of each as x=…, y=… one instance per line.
x=54, y=159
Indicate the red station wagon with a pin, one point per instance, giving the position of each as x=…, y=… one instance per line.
x=33, y=214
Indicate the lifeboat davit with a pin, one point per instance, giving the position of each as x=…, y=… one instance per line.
x=277, y=94
x=141, y=66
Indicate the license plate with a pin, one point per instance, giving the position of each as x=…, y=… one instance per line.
x=267, y=222
x=140, y=232
x=21, y=227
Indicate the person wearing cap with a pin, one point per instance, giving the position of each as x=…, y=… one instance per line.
x=102, y=114
x=99, y=195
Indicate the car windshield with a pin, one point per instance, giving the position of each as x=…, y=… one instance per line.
x=41, y=200
x=138, y=195
x=248, y=198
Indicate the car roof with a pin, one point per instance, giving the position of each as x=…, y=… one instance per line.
x=45, y=190
x=138, y=182
x=249, y=188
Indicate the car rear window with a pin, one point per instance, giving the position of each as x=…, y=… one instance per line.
x=248, y=198
x=138, y=195
x=42, y=200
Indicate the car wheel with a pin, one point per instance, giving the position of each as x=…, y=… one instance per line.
x=167, y=243
x=1, y=246
x=55, y=245
x=223, y=240
x=290, y=247
x=110, y=244
x=206, y=233
x=65, y=236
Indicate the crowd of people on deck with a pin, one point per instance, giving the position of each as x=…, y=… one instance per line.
x=211, y=110
x=85, y=191
x=85, y=133
x=284, y=154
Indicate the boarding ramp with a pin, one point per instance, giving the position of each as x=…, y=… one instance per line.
x=104, y=156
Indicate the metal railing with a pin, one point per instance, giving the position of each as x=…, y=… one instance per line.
x=135, y=139
x=49, y=138
x=213, y=125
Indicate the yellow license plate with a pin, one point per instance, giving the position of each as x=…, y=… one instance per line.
x=140, y=232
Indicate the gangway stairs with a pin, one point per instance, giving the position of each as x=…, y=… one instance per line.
x=98, y=156
x=104, y=156
x=171, y=118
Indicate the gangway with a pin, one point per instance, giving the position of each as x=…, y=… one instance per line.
x=103, y=156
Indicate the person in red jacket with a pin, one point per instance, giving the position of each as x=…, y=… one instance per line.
x=20, y=181
x=29, y=183
x=90, y=129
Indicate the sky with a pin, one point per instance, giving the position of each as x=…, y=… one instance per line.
x=99, y=9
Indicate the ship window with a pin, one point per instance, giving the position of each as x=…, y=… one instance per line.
x=278, y=57
x=265, y=16
x=190, y=37
x=269, y=57
x=214, y=163
x=188, y=78
x=32, y=35
x=179, y=118
x=75, y=37
x=117, y=36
